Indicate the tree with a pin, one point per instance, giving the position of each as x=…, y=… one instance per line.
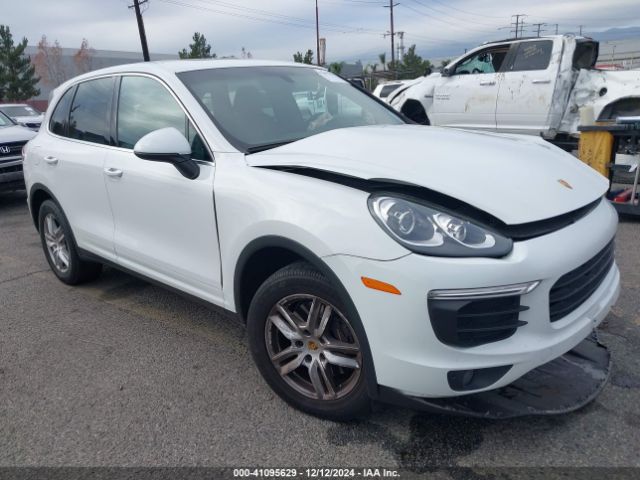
x=198, y=49
x=83, y=58
x=336, y=67
x=17, y=76
x=49, y=64
x=307, y=58
x=246, y=53
x=383, y=60
x=412, y=65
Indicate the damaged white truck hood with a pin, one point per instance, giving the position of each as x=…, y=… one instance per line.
x=512, y=177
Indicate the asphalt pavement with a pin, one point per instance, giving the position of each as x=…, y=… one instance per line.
x=119, y=372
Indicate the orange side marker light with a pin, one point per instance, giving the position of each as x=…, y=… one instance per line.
x=378, y=285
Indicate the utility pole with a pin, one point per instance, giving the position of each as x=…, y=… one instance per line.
x=392, y=34
x=317, y=35
x=519, y=24
x=556, y=28
x=143, y=35
x=539, y=25
x=580, y=27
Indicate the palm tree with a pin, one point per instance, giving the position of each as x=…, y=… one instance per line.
x=383, y=60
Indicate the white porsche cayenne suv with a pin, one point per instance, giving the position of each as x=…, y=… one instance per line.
x=365, y=254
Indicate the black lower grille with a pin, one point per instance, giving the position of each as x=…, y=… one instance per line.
x=575, y=287
x=469, y=323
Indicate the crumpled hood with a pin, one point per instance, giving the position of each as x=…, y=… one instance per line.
x=15, y=133
x=512, y=177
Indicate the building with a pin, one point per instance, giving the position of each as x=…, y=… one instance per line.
x=99, y=59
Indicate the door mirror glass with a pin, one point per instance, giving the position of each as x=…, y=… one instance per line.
x=170, y=146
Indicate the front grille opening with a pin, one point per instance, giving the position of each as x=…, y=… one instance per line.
x=470, y=323
x=465, y=380
x=574, y=288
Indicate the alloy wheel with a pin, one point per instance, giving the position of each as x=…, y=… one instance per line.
x=56, y=242
x=313, y=347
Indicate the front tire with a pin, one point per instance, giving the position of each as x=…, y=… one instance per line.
x=60, y=248
x=305, y=344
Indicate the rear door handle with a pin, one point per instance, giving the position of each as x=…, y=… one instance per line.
x=488, y=82
x=540, y=80
x=51, y=160
x=113, y=172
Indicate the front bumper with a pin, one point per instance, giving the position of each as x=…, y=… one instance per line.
x=406, y=354
x=11, y=174
x=563, y=385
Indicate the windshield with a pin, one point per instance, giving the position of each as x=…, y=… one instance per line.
x=21, y=111
x=5, y=121
x=262, y=107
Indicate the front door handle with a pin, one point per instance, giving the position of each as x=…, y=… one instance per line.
x=541, y=80
x=488, y=82
x=113, y=172
x=51, y=160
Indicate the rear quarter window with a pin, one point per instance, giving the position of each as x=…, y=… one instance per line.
x=60, y=116
x=90, y=110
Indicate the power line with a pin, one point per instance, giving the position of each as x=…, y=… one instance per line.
x=437, y=19
x=440, y=12
x=278, y=19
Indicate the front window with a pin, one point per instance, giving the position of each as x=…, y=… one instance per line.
x=144, y=105
x=21, y=111
x=261, y=107
x=489, y=60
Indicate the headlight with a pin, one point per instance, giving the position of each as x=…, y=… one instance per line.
x=428, y=230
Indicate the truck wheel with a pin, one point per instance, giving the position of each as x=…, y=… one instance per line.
x=305, y=345
x=60, y=248
x=414, y=110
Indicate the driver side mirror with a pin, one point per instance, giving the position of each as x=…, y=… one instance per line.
x=170, y=146
x=446, y=71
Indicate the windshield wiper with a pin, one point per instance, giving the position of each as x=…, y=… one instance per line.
x=269, y=146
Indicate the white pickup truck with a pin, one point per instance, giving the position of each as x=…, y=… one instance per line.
x=531, y=85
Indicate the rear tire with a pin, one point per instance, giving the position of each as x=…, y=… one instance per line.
x=60, y=248
x=303, y=340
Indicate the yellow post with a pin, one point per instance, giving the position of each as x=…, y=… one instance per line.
x=595, y=150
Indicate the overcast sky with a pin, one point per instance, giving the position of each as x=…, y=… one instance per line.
x=277, y=28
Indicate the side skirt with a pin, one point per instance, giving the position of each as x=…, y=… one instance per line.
x=92, y=257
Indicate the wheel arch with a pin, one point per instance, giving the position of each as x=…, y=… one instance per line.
x=38, y=194
x=414, y=110
x=608, y=111
x=250, y=273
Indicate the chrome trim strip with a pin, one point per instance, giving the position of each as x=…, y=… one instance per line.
x=15, y=161
x=485, y=292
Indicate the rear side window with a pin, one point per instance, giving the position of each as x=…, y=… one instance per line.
x=89, y=117
x=145, y=105
x=532, y=56
x=60, y=116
